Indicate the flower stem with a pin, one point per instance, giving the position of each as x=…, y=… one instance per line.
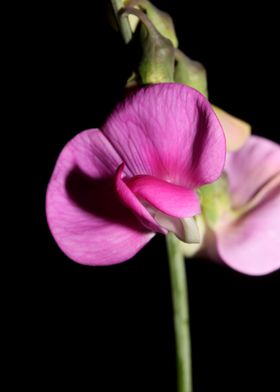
x=181, y=314
x=122, y=20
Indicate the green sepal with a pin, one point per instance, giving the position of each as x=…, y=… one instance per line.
x=158, y=59
x=215, y=201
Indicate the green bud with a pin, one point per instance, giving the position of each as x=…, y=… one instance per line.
x=190, y=72
x=157, y=63
x=215, y=201
x=158, y=58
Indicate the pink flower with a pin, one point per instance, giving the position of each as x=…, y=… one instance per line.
x=112, y=189
x=241, y=229
x=250, y=243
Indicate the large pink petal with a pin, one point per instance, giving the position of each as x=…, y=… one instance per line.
x=252, y=244
x=168, y=131
x=84, y=213
x=251, y=167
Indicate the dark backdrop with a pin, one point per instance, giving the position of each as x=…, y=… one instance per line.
x=110, y=329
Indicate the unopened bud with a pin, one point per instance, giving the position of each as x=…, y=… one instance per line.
x=190, y=72
x=158, y=59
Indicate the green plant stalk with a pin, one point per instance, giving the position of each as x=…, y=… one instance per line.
x=179, y=292
x=122, y=21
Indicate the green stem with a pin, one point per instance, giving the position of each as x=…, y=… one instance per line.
x=122, y=20
x=181, y=314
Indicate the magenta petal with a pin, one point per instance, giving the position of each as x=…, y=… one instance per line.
x=252, y=244
x=130, y=200
x=251, y=167
x=84, y=213
x=171, y=199
x=168, y=131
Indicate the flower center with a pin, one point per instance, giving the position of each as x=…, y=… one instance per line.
x=160, y=205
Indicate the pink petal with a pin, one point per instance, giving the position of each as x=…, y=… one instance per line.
x=252, y=244
x=158, y=205
x=168, y=131
x=251, y=167
x=169, y=198
x=130, y=200
x=84, y=213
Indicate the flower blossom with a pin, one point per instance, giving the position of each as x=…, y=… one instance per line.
x=113, y=188
x=247, y=234
x=251, y=242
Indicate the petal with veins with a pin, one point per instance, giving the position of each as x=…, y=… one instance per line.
x=250, y=168
x=251, y=245
x=84, y=213
x=168, y=131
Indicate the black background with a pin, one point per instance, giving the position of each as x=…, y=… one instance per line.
x=110, y=329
